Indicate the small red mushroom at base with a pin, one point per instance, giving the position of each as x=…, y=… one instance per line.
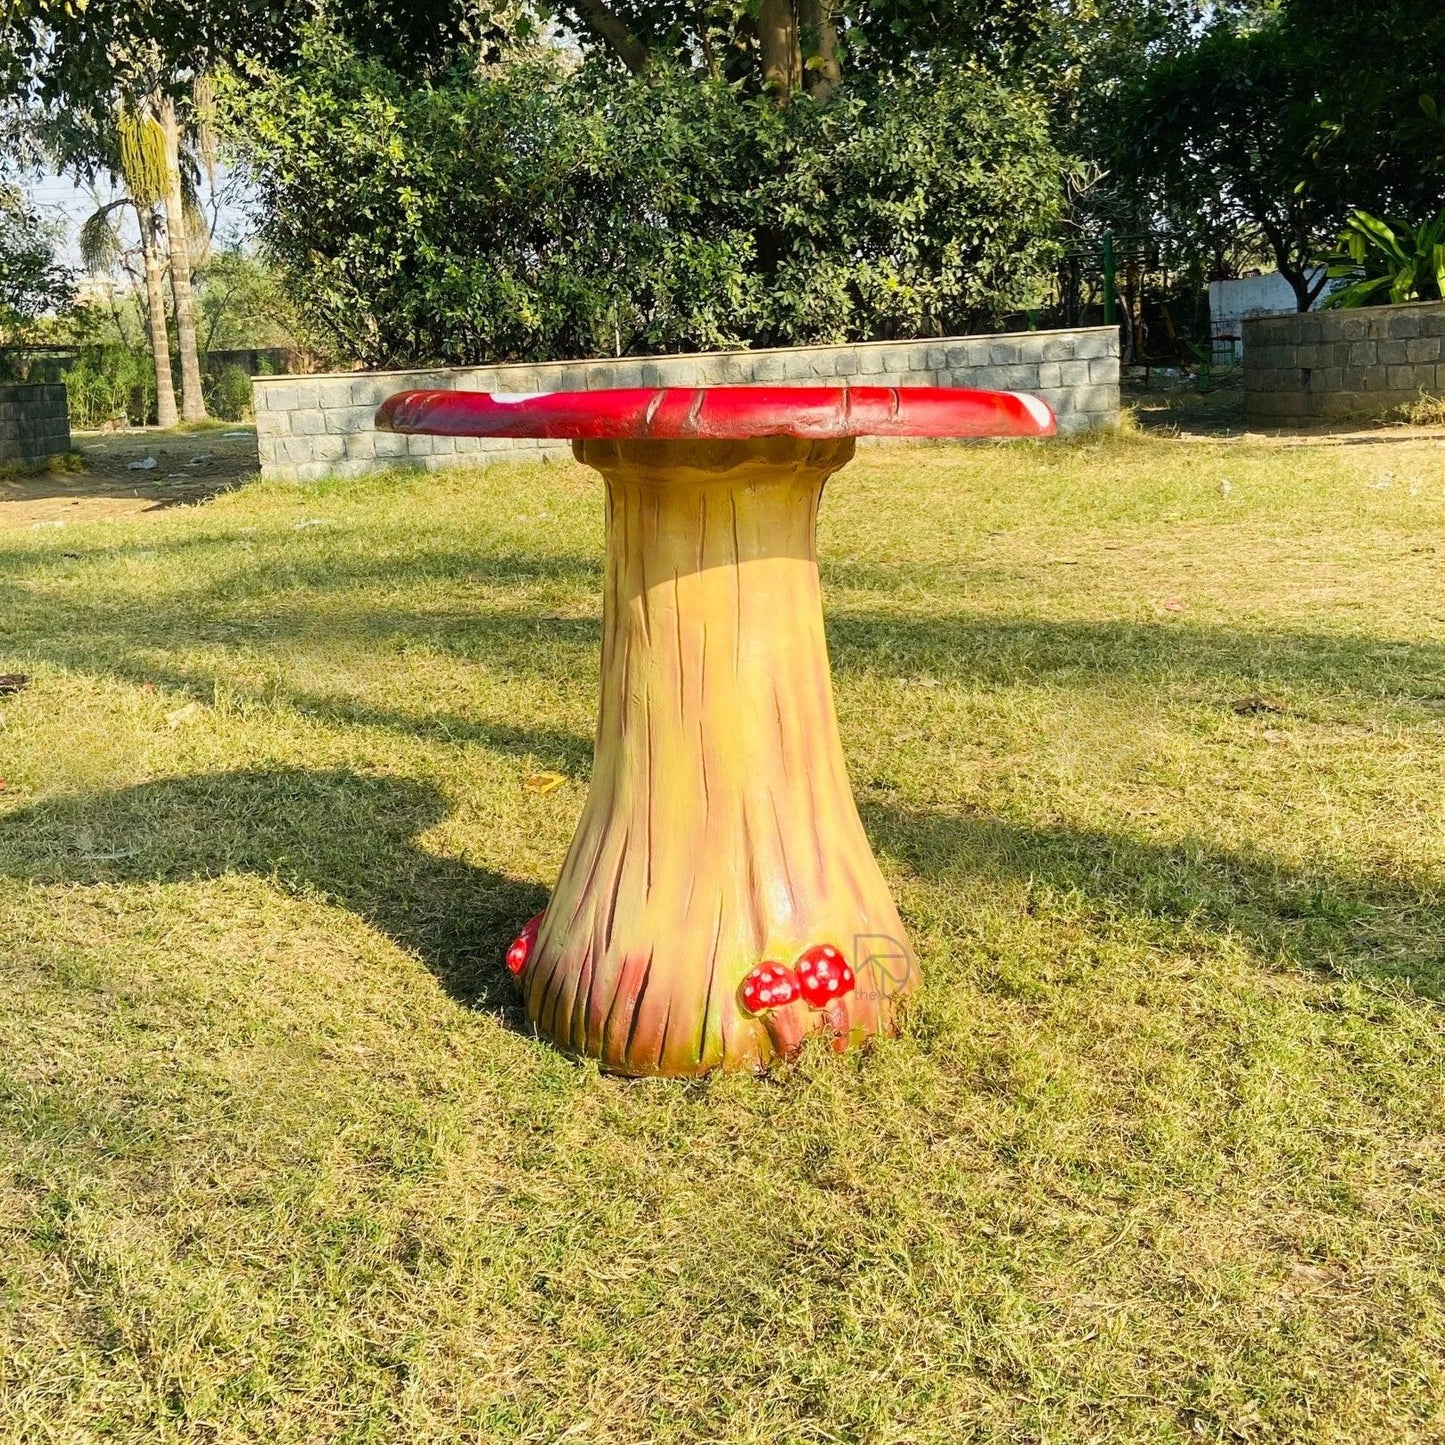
x=521, y=949
x=769, y=991
x=770, y=985
x=823, y=975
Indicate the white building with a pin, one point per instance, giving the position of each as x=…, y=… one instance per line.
x=1231, y=301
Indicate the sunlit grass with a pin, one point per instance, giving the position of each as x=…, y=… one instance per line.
x=1149, y=737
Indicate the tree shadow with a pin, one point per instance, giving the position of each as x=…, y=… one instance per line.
x=301, y=601
x=111, y=637
x=159, y=494
x=352, y=839
x=561, y=750
x=346, y=836
x=1320, y=918
x=987, y=650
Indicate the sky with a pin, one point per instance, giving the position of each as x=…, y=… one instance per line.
x=60, y=199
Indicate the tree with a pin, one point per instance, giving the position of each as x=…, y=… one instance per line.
x=80, y=66
x=1216, y=138
x=59, y=52
x=107, y=56
x=1377, y=78
x=538, y=211
x=241, y=303
x=1262, y=131
x=141, y=165
x=32, y=282
x=145, y=148
x=783, y=47
x=56, y=52
x=177, y=204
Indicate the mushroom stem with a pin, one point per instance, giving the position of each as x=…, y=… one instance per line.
x=835, y=1011
x=720, y=828
x=785, y=1029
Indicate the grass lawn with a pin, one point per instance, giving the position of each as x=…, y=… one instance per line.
x=1159, y=1156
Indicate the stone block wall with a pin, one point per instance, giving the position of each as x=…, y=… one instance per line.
x=34, y=422
x=1331, y=364
x=315, y=426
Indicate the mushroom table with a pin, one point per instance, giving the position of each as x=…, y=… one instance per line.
x=720, y=901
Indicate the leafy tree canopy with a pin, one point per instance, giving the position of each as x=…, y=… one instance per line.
x=1265, y=128
x=31, y=280
x=63, y=52
x=538, y=211
x=724, y=36
x=1377, y=97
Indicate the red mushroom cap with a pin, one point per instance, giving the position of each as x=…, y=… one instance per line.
x=721, y=412
x=769, y=985
x=521, y=949
x=824, y=975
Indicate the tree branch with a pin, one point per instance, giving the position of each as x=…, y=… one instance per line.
x=611, y=28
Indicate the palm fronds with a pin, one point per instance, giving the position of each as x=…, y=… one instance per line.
x=100, y=243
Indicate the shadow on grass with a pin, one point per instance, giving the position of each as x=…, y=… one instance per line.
x=992, y=651
x=275, y=597
x=1322, y=919
x=352, y=839
x=1313, y=668
x=349, y=838
x=555, y=749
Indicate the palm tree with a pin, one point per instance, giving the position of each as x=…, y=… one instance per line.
x=178, y=205
x=151, y=158
x=140, y=165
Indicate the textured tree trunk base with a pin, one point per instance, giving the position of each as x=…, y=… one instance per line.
x=720, y=830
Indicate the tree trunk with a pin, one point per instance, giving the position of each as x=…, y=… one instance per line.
x=781, y=54
x=193, y=401
x=821, y=70
x=720, y=830
x=156, y=307
x=613, y=29
x=1296, y=274
x=1299, y=281
x=704, y=27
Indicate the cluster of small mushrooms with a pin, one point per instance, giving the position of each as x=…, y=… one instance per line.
x=820, y=978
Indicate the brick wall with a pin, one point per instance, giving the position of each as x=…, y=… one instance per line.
x=34, y=422
x=1361, y=362
x=314, y=426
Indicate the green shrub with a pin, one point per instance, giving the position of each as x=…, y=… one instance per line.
x=111, y=383
x=1384, y=265
x=228, y=394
